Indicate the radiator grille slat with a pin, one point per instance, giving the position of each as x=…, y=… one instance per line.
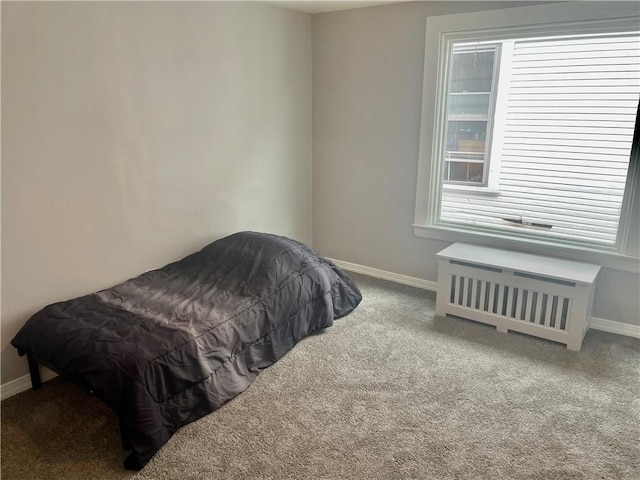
x=501, y=300
x=535, y=307
x=546, y=310
x=483, y=298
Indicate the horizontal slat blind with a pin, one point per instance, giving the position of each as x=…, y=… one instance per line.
x=569, y=124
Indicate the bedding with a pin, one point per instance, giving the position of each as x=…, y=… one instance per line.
x=172, y=345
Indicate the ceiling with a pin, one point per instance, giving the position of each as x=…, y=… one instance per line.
x=323, y=6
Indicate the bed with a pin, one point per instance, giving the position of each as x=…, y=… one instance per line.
x=174, y=344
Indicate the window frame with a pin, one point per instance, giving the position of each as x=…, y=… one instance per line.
x=512, y=23
x=488, y=181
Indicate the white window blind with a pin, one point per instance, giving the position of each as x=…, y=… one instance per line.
x=568, y=127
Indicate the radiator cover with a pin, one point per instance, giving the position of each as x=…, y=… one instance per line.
x=547, y=297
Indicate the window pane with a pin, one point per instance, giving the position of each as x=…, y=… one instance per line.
x=474, y=105
x=472, y=69
x=475, y=172
x=458, y=171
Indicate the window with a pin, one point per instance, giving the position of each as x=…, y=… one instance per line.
x=469, y=113
x=565, y=132
x=527, y=130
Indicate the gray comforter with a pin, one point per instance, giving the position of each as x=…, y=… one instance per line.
x=172, y=345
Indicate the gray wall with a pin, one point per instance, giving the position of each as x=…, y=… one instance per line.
x=367, y=91
x=135, y=133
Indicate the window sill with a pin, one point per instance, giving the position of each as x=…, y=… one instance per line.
x=608, y=259
x=448, y=187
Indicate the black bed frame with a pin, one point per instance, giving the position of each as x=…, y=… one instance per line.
x=34, y=372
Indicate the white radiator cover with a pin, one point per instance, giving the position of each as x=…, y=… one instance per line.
x=542, y=296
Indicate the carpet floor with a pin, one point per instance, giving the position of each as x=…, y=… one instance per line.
x=389, y=392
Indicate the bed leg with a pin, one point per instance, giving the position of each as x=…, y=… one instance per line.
x=34, y=372
x=132, y=462
x=125, y=442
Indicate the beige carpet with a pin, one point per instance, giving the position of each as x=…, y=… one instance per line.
x=389, y=392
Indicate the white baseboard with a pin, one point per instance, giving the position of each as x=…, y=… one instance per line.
x=615, y=327
x=596, y=323
x=22, y=384
x=384, y=275
x=14, y=387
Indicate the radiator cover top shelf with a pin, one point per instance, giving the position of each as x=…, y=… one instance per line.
x=542, y=296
